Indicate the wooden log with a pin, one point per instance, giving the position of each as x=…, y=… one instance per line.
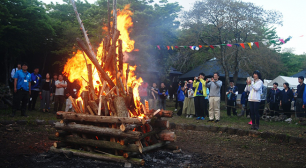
x=76, y=108
x=90, y=110
x=80, y=106
x=90, y=82
x=101, y=98
x=160, y=123
x=85, y=98
x=120, y=56
x=109, y=58
x=127, y=77
x=146, y=149
x=70, y=116
x=126, y=141
x=95, y=130
x=94, y=107
x=171, y=147
x=120, y=107
x=107, y=157
x=163, y=113
x=112, y=108
x=167, y=136
x=62, y=134
x=96, y=143
x=96, y=63
x=125, y=127
x=60, y=144
x=106, y=112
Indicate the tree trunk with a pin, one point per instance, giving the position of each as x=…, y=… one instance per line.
x=96, y=143
x=98, y=119
x=108, y=157
x=88, y=129
x=120, y=107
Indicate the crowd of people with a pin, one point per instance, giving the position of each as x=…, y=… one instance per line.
x=199, y=98
x=29, y=86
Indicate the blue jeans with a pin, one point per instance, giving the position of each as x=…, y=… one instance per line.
x=162, y=104
x=254, y=108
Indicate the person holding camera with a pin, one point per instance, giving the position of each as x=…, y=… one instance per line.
x=231, y=95
x=214, y=85
x=255, y=88
x=199, y=96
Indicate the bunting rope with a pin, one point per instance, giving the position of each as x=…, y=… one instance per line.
x=250, y=44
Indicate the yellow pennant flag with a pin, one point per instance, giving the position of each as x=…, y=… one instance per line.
x=172, y=47
x=250, y=45
x=206, y=46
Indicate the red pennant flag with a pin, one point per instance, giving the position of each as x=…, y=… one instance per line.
x=168, y=47
x=257, y=44
x=212, y=47
x=176, y=47
x=242, y=45
x=200, y=46
x=158, y=47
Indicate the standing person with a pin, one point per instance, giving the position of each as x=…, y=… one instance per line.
x=263, y=97
x=22, y=90
x=206, y=102
x=163, y=93
x=180, y=99
x=244, y=101
x=214, y=97
x=299, y=97
x=143, y=92
x=36, y=79
x=171, y=92
x=190, y=110
x=153, y=97
x=186, y=101
x=273, y=98
x=60, y=85
x=175, y=94
x=255, y=88
x=231, y=95
x=199, y=96
x=286, y=99
x=55, y=77
x=14, y=70
x=45, y=92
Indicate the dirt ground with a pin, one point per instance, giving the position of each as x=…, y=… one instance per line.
x=20, y=144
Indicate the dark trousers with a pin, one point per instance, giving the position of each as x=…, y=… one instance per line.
x=206, y=107
x=231, y=106
x=262, y=106
x=45, y=102
x=176, y=101
x=287, y=109
x=59, y=101
x=200, y=106
x=299, y=107
x=274, y=108
x=162, y=104
x=34, y=95
x=23, y=96
x=171, y=96
x=180, y=103
x=254, y=109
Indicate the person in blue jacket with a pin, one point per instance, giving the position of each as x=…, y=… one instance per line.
x=163, y=93
x=286, y=99
x=35, y=88
x=180, y=99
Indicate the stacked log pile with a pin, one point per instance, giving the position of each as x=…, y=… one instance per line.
x=111, y=138
x=107, y=122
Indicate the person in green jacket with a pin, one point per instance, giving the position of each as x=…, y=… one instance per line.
x=199, y=96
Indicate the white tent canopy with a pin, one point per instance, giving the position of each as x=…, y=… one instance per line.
x=293, y=81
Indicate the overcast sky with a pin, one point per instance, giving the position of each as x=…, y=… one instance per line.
x=294, y=20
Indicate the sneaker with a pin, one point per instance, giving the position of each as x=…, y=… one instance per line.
x=198, y=118
x=187, y=116
x=250, y=123
x=216, y=121
x=175, y=110
x=190, y=116
x=210, y=121
x=248, y=116
x=202, y=118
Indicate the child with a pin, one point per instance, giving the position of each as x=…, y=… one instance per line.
x=180, y=98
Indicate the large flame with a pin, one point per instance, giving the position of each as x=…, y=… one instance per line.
x=76, y=70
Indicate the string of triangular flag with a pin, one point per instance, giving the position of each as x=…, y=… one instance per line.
x=250, y=44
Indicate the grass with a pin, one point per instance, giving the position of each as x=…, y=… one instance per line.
x=292, y=129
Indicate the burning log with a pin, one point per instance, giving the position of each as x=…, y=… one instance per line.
x=98, y=156
x=167, y=136
x=146, y=149
x=96, y=63
x=160, y=123
x=120, y=56
x=101, y=98
x=90, y=110
x=80, y=105
x=85, y=98
x=125, y=127
x=89, y=129
x=126, y=141
x=96, y=143
x=90, y=82
x=94, y=107
x=98, y=119
x=120, y=107
x=75, y=107
x=163, y=113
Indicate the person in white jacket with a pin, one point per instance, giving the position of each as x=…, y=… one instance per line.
x=254, y=87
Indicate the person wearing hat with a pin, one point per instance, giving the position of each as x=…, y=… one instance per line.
x=35, y=85
x=22, y=90
x=199, y=95
x=274, y=99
